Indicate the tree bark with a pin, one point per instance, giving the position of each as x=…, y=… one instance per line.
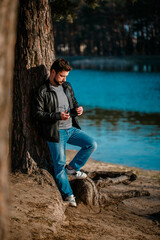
x=8, y=17
x=34, y=56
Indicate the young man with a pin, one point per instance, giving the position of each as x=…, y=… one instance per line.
x=56, y=110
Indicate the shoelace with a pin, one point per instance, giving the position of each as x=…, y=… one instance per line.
x=79, y=174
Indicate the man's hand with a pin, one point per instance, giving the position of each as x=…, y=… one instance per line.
x=65, y=115
x=79, y=111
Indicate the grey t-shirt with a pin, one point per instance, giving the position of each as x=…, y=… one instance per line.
x=63, y=106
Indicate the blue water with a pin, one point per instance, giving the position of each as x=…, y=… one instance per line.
x=122, y=112
x=117, y=90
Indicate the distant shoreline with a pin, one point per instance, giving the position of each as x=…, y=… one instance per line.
x=115, y=63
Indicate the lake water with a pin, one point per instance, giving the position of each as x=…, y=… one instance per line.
x=122, y=112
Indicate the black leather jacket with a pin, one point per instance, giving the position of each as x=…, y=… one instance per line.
x=44, y=110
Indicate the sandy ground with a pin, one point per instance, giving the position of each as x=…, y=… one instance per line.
x=32, y=211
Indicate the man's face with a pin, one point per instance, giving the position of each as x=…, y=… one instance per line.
x=60, y=77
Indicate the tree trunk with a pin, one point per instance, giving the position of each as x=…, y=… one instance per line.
x=8, y=14
x=34, y=56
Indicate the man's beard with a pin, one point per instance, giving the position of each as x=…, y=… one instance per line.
x=56, y=82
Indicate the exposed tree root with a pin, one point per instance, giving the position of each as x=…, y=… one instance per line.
x=95, y=190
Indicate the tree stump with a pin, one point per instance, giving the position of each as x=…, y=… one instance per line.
x=86, y=191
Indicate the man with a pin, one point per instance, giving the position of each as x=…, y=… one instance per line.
x=56, y=110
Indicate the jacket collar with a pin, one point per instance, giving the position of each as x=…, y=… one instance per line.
x=65, y=85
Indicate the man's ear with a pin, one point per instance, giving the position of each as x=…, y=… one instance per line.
x=53, y=72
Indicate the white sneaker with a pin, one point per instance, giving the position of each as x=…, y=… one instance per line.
x=76, y=174
x=71, y=200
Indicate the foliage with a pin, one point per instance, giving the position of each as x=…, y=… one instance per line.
x=108, y=27
x=69, y=9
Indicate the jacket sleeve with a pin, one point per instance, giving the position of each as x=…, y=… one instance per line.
x=39, y=112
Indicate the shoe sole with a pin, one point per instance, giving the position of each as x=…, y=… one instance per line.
x=76, y=177
x=72, y=205
x=80, y=177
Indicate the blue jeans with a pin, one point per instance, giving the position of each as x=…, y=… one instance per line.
x=75, y=137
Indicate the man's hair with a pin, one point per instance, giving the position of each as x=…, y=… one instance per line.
x=60, y=65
